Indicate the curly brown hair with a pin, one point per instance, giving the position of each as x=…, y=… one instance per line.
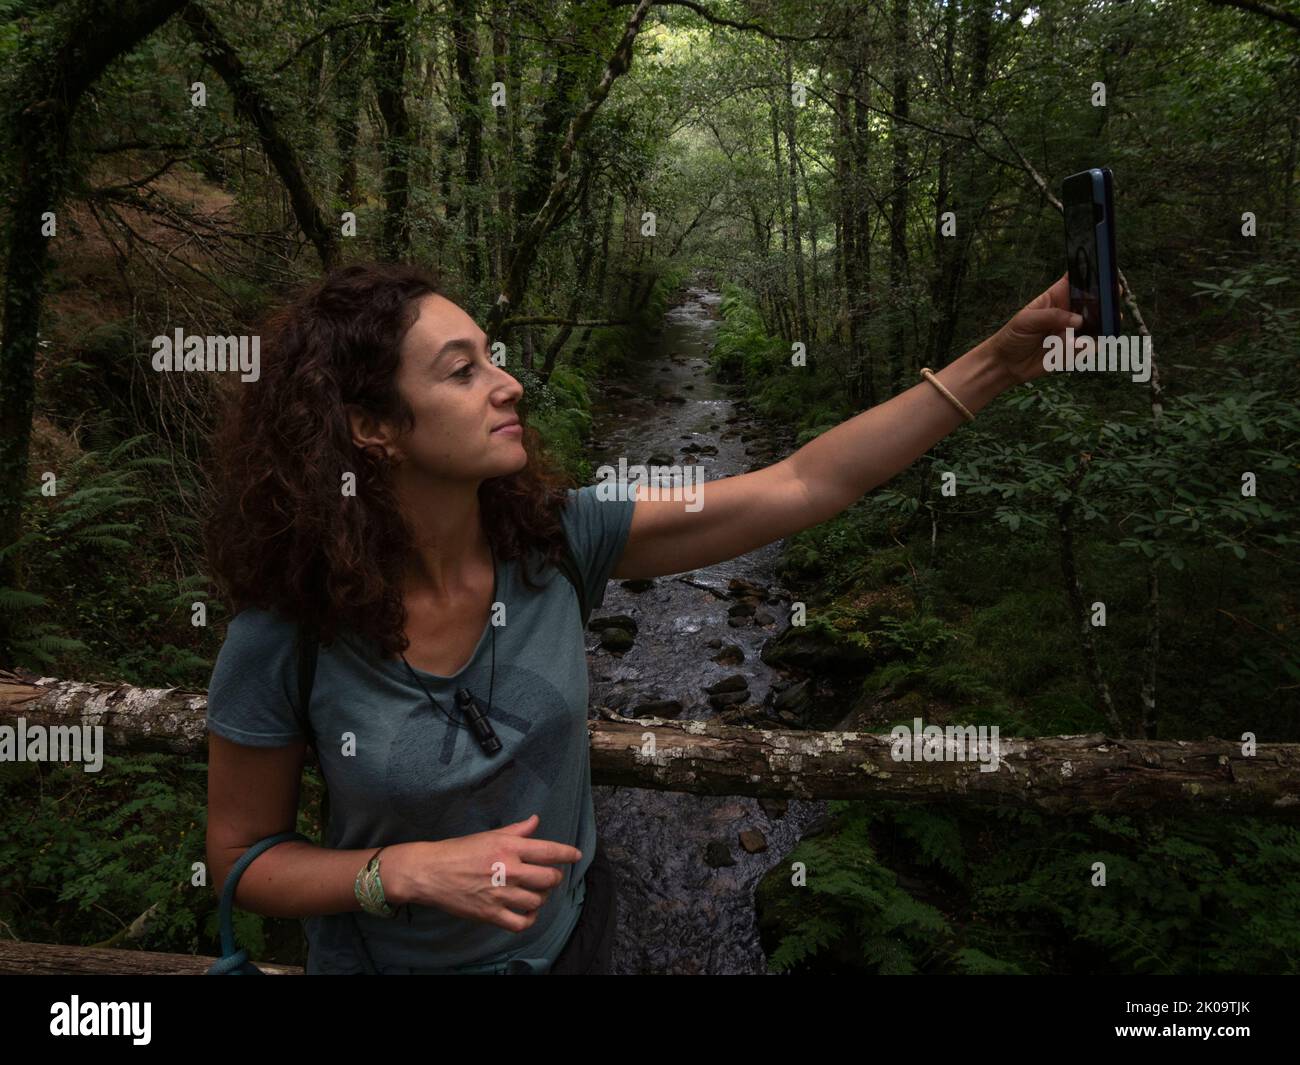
x=275, y=535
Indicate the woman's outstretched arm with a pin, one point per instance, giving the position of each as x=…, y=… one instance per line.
x=734, y=515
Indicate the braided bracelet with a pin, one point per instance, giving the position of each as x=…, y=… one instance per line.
x=369, y=889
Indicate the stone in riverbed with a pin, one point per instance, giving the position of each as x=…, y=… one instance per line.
x=726, y=699
x=657, y=708
x=613, y=621
x=731, y=655
x=737, y=682
x=616, y=639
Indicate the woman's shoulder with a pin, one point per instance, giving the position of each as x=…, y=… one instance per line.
x=250, y=696
x=259, y=623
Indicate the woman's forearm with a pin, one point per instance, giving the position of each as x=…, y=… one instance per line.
x=297, y=879
x=843, y=464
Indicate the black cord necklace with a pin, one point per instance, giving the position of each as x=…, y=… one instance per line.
x=483, y=731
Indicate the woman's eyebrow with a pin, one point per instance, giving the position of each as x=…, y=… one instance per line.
x=462, y=345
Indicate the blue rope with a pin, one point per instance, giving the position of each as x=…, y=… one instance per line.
x=234, y=960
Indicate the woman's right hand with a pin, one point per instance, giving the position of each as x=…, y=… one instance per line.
x=456, y=875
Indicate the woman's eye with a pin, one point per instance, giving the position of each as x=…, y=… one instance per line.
x=464, y=371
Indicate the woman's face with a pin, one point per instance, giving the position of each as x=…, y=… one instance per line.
x=458, y=398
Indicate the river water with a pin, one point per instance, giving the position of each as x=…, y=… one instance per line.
x=686, y=882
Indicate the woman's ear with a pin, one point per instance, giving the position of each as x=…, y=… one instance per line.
x=368, y=431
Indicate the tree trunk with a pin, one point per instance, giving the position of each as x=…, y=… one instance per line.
x=54, y=75
x=390, y=81
x=792, y=177
x=969, y=200
x=898, y=199
x=814, y=317
x=1079, y=609
x=860, y=299
x=503, y=170
x=464, y=24
x=347, y=51
x=515, y=283
x=1053, y=774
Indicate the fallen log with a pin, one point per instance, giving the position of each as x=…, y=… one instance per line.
x=18, y=958
x=1054, y=774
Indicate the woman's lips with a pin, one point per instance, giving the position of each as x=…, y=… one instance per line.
x=509, y=430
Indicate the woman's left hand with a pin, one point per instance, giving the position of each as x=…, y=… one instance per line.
x=1018, y=345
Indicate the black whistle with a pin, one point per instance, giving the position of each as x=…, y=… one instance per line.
x=487, y=737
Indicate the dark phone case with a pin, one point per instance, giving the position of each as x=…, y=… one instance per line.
x=1099, y=303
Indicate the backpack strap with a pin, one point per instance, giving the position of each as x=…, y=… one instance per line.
x=308, y=646
x=568, y=565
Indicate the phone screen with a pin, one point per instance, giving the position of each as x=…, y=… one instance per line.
x=1081, y=250
x=1087, y=202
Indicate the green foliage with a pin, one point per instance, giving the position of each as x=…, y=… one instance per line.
x=855, y=906
x=109, y=858
x=86, y=547
x=95, y=851
x=1011, y=892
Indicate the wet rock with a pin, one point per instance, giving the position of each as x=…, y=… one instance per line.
x=730, y=655
x=746, y=715
x=657, y=708
x=762, y=617
x=774, y=808
x=706, y=449
x=616, y=640
x=740, y=622
x=613, y=621
x=638, y=584
x=818, y=825
x=753, y=841
x=719, y=702
x=714, y=642
x=796, y=699
x=718, y=855
x=738, y=588
x=741, y=610
x=811, y=650
x=661, y=458
x=737, y=682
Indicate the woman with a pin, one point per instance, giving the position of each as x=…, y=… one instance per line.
x=375, y=480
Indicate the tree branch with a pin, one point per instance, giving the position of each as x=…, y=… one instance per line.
x=279, y=150
x=1054, y=774
x=1267, y=10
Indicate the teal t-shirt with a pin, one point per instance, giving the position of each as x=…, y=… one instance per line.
x=399, y=771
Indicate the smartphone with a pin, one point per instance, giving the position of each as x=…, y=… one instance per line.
x=1088, y=199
